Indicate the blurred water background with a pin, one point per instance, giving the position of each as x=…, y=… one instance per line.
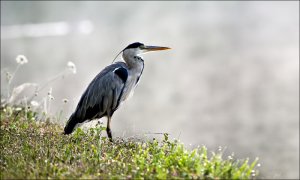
x=230, y=80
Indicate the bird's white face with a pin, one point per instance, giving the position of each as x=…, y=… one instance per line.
x=132, y=52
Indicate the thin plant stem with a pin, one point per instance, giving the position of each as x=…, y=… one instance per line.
x=11, y=79
x=48, y=82
x=51, y=80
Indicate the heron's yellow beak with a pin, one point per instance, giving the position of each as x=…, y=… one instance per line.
x=154, y=48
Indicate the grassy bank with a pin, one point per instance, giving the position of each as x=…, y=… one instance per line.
x=35, y=149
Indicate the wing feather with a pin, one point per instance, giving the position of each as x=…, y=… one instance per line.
x=103, y=94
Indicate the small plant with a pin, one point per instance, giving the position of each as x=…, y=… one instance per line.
x=21, y=60
x=15, y=96
x=36, y=149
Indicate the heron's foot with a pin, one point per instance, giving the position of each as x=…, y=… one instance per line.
x=110, y=139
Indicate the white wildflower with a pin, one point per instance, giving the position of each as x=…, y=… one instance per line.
x=51, y=97
x=8, y=76
x=21, y=59
x=50, y=94
x=253, y=173
x=219, y=148
x=18, y=109
x=65, y=100
x=34, y=103
x=71, y=67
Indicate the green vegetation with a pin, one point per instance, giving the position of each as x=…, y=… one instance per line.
x=35, y=149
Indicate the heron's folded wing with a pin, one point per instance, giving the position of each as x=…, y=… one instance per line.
x=102, y=96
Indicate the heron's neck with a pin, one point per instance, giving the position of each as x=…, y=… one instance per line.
x=133, y=61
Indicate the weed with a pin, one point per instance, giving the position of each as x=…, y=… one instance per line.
x=18, y=96
x=36, y=149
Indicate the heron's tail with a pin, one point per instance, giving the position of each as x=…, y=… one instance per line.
x=70, y=125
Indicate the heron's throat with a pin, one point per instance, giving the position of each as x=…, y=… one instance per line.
x=135, y=70
x=134, y=61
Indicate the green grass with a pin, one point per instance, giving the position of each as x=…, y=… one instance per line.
x=35, y=149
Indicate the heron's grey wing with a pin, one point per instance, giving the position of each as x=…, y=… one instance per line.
x=102, y=96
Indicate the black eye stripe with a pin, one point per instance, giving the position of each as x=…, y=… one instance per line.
x=134, y=45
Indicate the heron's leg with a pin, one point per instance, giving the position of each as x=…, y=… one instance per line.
x=108, y=128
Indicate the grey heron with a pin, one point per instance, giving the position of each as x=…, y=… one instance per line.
x=113, y=85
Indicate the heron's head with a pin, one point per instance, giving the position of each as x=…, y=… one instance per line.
x=139, y=48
